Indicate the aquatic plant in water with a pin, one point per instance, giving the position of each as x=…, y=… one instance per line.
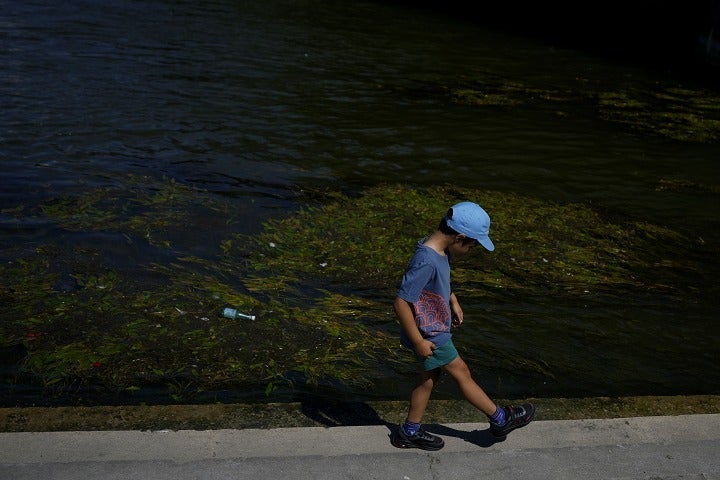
x=320, y=281
x=365, y=242
x=681, y=114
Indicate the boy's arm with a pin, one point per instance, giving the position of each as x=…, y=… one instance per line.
x=404, y=313
x=457, y=311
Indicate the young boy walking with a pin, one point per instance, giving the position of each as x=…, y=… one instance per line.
x=427, y=308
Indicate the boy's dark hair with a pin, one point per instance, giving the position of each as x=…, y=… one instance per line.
x=447, y=230
x=444, y=228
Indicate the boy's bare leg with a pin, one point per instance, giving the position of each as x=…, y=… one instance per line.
x=472, y=392
x=420, y=396
x=411, y=434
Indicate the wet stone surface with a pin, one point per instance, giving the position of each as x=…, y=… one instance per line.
x=327, y=413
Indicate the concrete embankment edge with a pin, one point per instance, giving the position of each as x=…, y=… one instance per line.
x=325, y=413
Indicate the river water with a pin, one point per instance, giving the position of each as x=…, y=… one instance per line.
x=254, y=101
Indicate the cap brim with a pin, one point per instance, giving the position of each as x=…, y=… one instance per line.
x=487, y=243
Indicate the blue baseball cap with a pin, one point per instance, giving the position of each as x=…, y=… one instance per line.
x=472, y=221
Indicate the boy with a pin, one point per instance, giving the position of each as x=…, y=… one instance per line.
x=426, y=308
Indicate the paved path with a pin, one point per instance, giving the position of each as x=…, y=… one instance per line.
x=657, y=448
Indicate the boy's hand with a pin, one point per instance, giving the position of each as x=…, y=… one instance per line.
x=457, y=315
x=457, y=311
x=425, y=348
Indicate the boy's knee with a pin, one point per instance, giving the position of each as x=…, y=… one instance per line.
x=457, y=364
x=459, y=369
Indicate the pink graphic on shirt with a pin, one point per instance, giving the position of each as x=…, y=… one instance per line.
x=432, y=313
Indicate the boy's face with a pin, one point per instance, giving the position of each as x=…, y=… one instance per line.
x=462, y=245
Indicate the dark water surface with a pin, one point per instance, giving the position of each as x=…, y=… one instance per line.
x=254, y=101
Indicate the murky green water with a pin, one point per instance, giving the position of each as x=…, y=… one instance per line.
x=139, y=138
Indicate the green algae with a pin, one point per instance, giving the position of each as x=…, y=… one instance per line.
x=142, y=207
x=367, y=241
x=680, y=114
x=677, y=113
x=320, y=281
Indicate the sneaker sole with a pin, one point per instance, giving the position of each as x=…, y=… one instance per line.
x=400, y=443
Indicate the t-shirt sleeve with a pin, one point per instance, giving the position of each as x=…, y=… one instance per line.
x=414, y=281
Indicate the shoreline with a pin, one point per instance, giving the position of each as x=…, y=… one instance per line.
x=329, y=414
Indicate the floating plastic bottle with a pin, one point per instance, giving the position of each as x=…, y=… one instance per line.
x=235, y=315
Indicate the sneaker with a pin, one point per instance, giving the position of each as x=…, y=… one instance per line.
x=515, y=417
x=422, y=440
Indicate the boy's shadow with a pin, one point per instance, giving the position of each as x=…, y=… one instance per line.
x=341, y=414
x=348, y=414
x=481, y=438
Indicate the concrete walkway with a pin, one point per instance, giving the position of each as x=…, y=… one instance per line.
x=657, y=448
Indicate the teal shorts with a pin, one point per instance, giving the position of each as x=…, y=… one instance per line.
x=441, y=356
